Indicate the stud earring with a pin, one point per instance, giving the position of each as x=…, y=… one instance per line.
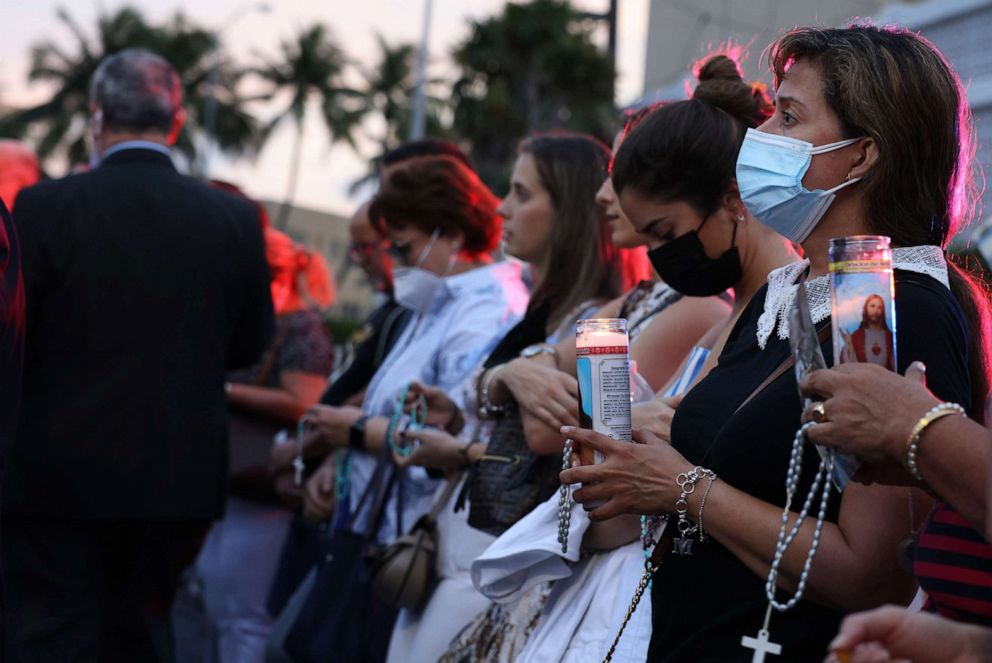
x=739, y=217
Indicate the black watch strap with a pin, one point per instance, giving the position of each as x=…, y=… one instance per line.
x=356, y=437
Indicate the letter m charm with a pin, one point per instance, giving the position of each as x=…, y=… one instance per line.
x=682, y=546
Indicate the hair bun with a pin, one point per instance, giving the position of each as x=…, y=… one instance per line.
x=719, y=67
x=722, y=86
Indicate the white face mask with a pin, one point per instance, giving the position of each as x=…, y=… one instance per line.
x=414, y=287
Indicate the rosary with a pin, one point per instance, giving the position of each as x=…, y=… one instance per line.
x=761, y=644
x=565, y=500
x=298, y=464
x=401, y=423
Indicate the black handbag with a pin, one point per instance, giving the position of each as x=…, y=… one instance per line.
x=300, y=551
x=510, y=479
x=341, y=618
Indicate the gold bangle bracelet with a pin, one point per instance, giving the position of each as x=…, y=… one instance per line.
x=913, y=444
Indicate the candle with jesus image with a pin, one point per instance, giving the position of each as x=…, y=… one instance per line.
x=602, y=351
x=863, y=300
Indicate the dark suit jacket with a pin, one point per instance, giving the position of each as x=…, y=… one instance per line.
x=11, y=331
x=143, y=288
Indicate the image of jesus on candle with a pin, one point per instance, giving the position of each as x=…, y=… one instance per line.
x=872, y=341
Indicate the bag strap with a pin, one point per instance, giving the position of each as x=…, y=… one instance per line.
x=822, y=335
x=442, y=499
x=375, y=481
x=382, y=347
x=650, y=568
x=269, y=360
x=378, y=511
x=400, y=474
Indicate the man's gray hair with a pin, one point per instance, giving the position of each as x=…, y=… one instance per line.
x=137, y=90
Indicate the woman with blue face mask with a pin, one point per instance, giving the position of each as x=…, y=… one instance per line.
x=869, y=136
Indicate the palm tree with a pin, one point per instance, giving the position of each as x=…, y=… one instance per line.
x=532, y=68
x=311, y=69
x=389, y=87
x=62, y=120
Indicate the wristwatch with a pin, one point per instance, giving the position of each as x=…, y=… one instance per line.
x=538, y=349
x=356, y=437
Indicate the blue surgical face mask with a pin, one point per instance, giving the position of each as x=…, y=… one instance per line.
x=770, y=170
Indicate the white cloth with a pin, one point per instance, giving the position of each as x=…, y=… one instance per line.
x=589, y=598
x=784, y=282
x=582, y=616
x=440, y=348
x=528, y=554
x=423, y=637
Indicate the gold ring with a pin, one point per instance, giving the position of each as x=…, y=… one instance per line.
x=819, y=412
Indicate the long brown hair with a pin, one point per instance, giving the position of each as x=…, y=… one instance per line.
x=895, y=87
x=582, y=262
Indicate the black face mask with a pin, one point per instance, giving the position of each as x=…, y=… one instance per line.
x=683, y=264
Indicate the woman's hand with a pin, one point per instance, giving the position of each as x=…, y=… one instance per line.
x=285, y=486
x=436, y=449
x=895, y=634
x=635, y=477
x=655, y=416
x=551, y=395
x=318, y=492
x=870, y=411
x=440, y=409
x=334, y=424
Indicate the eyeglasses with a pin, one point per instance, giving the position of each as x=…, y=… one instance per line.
x=359, y=250
x=399, y=252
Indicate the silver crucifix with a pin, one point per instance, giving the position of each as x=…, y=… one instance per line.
x=761, y=646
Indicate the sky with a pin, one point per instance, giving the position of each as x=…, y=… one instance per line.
x=326, y=173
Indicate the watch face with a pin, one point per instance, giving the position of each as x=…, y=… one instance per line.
x=534, y=350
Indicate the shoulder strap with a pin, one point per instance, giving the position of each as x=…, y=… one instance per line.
x=822, y=335
x=269, y=360
x=375, y=481
x=382, y=347
x=442, y=499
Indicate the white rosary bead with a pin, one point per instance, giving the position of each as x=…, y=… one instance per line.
x=785, y=540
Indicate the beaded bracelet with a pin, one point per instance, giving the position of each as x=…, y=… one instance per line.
x=488, y=409
x=913, y=444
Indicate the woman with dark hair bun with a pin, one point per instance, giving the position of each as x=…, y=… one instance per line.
x=880, y=127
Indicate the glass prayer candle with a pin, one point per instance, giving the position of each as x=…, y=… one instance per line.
x=862, y=312
x=602, y=351
x=862, y=300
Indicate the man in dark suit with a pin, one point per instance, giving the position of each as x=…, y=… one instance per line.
x=143, y=288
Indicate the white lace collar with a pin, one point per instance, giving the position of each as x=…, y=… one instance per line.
x=784, y=281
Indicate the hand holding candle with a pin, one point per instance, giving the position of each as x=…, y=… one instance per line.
x=602, y=351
